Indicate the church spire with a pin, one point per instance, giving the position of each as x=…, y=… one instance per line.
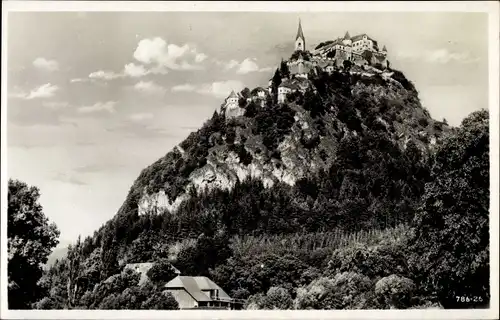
x=300, y=34
x=300, y=40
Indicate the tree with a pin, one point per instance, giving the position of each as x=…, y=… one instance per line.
x=284, y=70
x=161, y=272
x=73, y=260
x=451, y=240
x=30, y=241
x=347, y=65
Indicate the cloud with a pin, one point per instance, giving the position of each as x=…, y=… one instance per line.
x=104, y=75
x=71, y=179
x=156, y=51
x=108, y=106
x=439, y=56
x=44, y=64
x=75, y=80
x=130, y=70
x=183, y=88
x=149, y=87
x=445, y=56
x=200, y=57
x=55, y=104
x=221, y=89
x=140, y=116
x=134, y=71
x=246, y=66
x=44, y=91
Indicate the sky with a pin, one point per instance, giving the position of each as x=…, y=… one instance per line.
x=95, y=97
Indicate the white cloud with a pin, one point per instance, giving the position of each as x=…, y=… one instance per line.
x=246, y=66
x=108, y=106
x=44, y=91
x=75, y=80
x=445, y=56
x=157, y=51
x=149, y=87
x=200, y=57
x=440, y=56
x=221, y=89
x=229, y=65
x=133, y=70
x=140, y=116
x=17, y=93
x=45, y=64
x=183, y=88
x=104, y=75
x=55, y=104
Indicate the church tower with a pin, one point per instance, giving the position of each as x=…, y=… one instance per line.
x=300, y=40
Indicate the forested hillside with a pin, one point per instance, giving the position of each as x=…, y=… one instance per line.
x=362, y=201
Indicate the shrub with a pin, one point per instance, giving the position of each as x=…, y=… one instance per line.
x=394, y=291
x=348, y=290
x=278, y=298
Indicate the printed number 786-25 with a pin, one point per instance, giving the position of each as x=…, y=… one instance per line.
x=469, y=299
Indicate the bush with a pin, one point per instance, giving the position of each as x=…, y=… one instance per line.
x=394, y=291
x=373, y=261
x=278, y=298
x=160, y=301
x=348, y=290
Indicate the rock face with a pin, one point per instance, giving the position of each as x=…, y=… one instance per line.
x=308, y=146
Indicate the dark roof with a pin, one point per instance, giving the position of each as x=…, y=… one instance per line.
x=300, y=34
x=360, y=36
x=195, y=287
x=347, y=36
x=289, y=84
x=384, y=48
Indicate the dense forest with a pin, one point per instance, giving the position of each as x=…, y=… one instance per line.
x=392, y=213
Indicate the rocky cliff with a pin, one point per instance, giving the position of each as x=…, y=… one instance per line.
x=287, y=142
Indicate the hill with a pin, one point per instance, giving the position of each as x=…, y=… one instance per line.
x=320, y=189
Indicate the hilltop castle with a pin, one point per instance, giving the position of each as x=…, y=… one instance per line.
x=361, y=51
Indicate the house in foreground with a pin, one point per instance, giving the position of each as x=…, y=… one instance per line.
x=200, y=293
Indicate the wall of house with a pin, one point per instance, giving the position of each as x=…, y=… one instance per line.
x=183, y=298
x=233, y=110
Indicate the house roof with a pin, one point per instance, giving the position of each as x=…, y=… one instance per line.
x=384, y=48
x=347, y=36
x=289, y=84
x=195, y=287
x=360, y=36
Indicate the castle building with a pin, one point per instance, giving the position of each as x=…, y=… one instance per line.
x=353, y=49
x=300, y=40
x=231, y=107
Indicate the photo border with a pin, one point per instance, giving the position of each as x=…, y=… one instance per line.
x=489, y=7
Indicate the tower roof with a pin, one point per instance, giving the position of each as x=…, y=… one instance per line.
x=347, y=36
x=384, y=48
x=300, y=34
x=233, y=95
